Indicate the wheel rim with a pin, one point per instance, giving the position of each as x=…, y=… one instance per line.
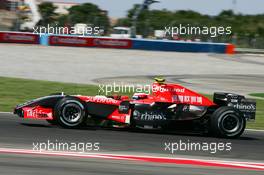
x=231, y=123
x=71, y=113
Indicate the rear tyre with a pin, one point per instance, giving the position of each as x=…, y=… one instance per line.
x=70, y=112
x=227, y=122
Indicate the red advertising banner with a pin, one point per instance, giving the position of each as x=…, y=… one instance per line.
x=70, y=41
x=12, y=37
x=112, y=43
x=90, y=42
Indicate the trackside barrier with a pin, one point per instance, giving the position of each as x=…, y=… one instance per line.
x=182, y=46
x=77, y=41
x=19, y=37
x=107, y=42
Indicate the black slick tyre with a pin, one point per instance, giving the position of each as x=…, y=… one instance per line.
x=227, y=122
x=70, y=112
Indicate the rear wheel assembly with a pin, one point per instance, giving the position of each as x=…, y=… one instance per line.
x=227, y=122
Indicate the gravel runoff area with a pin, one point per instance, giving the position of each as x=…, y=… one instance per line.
x=200, y=71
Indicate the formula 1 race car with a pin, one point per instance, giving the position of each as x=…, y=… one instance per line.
x=170, y=106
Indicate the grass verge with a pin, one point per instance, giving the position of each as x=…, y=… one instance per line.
x=257, y=95
x=14, y=91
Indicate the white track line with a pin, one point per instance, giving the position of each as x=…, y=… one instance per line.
x=219, y=163
x=257, y=130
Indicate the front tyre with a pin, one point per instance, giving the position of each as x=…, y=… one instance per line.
x=227, y=122
x=70, y=112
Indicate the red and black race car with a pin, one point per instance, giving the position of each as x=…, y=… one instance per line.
x=170, y=106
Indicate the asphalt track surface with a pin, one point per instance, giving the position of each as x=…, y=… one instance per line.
x=21, y=134
x=202, y=72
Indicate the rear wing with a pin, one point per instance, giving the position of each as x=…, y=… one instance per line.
x=246, y=106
